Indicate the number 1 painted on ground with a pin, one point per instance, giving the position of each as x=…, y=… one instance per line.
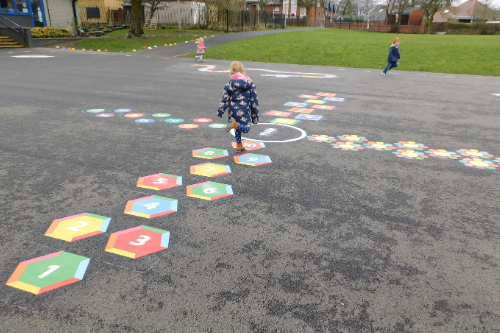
x=51, y=269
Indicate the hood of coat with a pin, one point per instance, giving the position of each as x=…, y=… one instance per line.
x=240, y=82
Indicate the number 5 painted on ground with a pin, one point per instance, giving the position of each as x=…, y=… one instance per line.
x=141, y=240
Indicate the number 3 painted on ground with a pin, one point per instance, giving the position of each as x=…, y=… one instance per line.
x=141, y=240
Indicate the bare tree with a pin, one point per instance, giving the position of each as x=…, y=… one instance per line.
x=153, y=6
x=399, y=7
x=307, y=4
x=431, y=7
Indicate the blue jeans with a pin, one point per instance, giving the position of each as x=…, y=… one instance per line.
x=391, y=65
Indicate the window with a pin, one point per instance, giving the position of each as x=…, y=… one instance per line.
x=276, y=10
x=293, y=10
x=303, y=12
x=8, y=6
x=22, y=6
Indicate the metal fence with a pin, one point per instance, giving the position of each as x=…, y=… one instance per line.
x=382, y=26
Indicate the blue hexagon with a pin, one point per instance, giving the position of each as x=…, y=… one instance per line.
x=252, y=159
x=151, y=206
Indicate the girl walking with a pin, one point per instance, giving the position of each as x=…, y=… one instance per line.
x=393, y=56
x=200, y=48
x=240, y=96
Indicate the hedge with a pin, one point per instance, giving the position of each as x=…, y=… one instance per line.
x=50, y=32
x=479, y=28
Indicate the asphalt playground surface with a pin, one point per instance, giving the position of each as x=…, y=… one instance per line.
x=319, y=240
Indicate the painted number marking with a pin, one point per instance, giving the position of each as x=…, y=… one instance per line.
x=50, y=270
x=209, y=153
x=253, y=159
x=141, y=240
x=249, y=145
x=211, y=169
x=78, y=227
x=151, y=205
x=160, y=181
x=210, y=190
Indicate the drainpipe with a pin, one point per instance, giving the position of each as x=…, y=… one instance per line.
x=75, y=19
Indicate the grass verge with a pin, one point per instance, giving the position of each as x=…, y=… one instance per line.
x=459, y=54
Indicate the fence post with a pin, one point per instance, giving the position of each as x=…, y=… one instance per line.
x=227, y=20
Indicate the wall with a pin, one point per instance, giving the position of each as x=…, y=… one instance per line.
x=416, y=17
x=22, y=20
x=59, y=13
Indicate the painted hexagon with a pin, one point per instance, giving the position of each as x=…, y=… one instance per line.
x=285, y=121
x=378, y=145
x=210, y=153
x=474, y=153
x=48, y=272
x=77, y=227
x=210, y=169
x=160, y=181
x=352, y=138
x=347, y=145
x=410, y=154
x=209, y=190
x=152, y=206
x=251, y=145
x=479, y=163
x=442, y=153
x=252, y=159
x=301, y=110
x=410, y=144
x=138, y=242
x=321, y=138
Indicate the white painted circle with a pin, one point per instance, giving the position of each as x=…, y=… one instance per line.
x=302, y=133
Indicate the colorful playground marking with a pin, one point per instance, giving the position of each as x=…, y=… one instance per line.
x=301, y=110
x=378, y=145
x=202, y=120
x=326, y=94
x=251, y=145
x=278, y=113
x=138, y=242
x=334, y=99
x=252, y=159
x=410, y=144
x=352, y=138
x=474, y=153
x=210, y=153
x=209, y=191
x=309, y=96
x=123, y=110
x=323, y=107
x=315, y=101
x=285, y=121
x=95, y=110
x=347, y=145
x=410, y=154
x=217, y=125
x=210, y=169
x=161, y=115
x=104, y=115
x=322, y=138
x=144, y=121
x=77, y=227
x=442, y=153
x=160, y=181
x=134, y=115
x=150, y=207
x=479, y=163
x=308, y=117
x=174, y=120
x=296, y=104
x=188, y=126
x=495, y=94
x=282, y=74
x=48, y=272
x=302, y=135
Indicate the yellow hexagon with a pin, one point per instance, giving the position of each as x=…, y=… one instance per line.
x=210, y=169
x=79, y=226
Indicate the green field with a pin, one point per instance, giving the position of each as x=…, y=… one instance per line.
x=115, y=41
x=459, y=54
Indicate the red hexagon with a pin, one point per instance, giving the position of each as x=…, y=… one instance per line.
x=138, y=242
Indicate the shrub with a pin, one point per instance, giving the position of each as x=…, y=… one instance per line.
x=477, y=28
x=50, y=32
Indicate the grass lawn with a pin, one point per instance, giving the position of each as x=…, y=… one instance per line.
x=460, y=54
x=114, y=41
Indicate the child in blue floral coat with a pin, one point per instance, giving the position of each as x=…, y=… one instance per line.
x=240, y=96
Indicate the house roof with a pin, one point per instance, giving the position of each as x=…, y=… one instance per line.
x=463, y=11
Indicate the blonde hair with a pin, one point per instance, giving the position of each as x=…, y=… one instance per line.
x=236, y=67
x=395, y=40
x=201, y=40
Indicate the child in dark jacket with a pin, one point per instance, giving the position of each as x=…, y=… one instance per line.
x=393, y=56
x=240, y=96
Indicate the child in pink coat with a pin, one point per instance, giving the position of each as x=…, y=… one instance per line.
x=200, y=48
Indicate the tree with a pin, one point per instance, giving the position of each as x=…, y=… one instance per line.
x=153, y=6
x=398, y=6
x=263, y=4
x=136, y=20
x=307, y=4
x=431, y=7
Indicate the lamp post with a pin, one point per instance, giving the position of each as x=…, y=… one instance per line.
x=179, y=12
